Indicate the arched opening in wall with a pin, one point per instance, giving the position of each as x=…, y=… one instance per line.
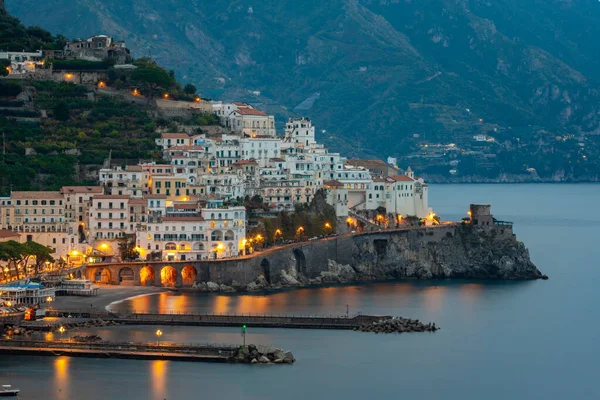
x=229, y=235
x=126, y=276
x=198, y=246
x=215, y=236
x=300, y=261
x=266, y=269
x=78, y=274
x=147, y=276
x=102, y=275
x=168, y=276
x=188, y=275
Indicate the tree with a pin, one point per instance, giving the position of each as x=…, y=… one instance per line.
x=61, y=111
x=150, y=78
x=189, y=89
x=13, y=252
x=40, y=252
x=127, y=248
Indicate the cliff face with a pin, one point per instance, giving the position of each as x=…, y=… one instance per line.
x=449, y=252
x=462, y=253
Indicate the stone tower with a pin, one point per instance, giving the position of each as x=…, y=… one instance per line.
x=481, y=215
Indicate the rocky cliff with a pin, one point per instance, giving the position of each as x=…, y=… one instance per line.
x=447, y=252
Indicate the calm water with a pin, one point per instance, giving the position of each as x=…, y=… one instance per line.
x=513, y=340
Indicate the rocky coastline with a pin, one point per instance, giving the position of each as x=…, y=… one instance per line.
x=459, y=252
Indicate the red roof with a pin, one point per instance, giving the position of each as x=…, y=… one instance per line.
x=5, y=234
x=242, y=162
x=240, y=104
x=186, y=206
x=277, y=159
x=403, y=178
x=250, y=111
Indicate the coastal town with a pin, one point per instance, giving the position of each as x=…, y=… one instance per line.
x=191, y=204
x=187, y=194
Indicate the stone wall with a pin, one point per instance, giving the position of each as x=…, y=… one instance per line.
x=451, y=251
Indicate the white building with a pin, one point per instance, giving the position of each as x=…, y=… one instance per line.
x=129, y=181
x=300, y=131
x=215, y=231
x=167, y=140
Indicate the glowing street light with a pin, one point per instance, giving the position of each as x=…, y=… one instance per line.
x=197, y=100
x=101, y=84
x=62, y=329
x=49, y=299
x=135, y=92
x=166, y=96
x=158, y=335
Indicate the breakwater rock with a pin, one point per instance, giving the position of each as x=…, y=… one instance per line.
x=252, y=354
x=397, y=325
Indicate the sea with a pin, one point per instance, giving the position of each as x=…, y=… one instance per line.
x=498, y=340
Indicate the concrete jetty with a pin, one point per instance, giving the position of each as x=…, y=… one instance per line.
x=139, y=351
x=78, y=318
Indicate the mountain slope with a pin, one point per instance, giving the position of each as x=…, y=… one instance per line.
x=382, y=77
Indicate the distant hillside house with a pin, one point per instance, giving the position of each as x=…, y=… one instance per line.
x=98, y=48
x=22, y=62
x=243, y=118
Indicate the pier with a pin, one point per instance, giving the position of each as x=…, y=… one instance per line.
x=255, y=321
x=138, y=351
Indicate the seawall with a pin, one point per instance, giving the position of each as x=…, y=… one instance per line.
x=447, y=251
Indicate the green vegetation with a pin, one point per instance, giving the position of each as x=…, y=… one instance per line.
x=16, y=37
x=19, y=254
x=308, y=220
x=78, y=132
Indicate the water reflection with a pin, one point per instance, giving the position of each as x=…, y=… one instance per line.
x=61, y=377
x=158, y=374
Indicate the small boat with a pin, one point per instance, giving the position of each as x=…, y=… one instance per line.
x=8, y=391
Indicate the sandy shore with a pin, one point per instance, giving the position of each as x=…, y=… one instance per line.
x=106, y=295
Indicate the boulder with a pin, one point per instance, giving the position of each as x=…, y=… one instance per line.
x=289, y=357
x=278, y=355
x=264, y=360
x=212, y=287
x=254, y=361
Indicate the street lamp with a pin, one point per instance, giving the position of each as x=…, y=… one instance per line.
x=62, y=329
x=277, y=233
x=158, y=335
x=299, y=231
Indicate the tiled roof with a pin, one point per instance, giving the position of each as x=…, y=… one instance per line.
x=81, y=189
x=250, y=111
x=5, y=234
x=110, y=196
x=401, y=178
x=37, y=195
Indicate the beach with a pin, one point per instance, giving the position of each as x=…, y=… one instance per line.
x=106, y=295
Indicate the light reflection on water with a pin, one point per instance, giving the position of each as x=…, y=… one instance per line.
x=499, y=340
